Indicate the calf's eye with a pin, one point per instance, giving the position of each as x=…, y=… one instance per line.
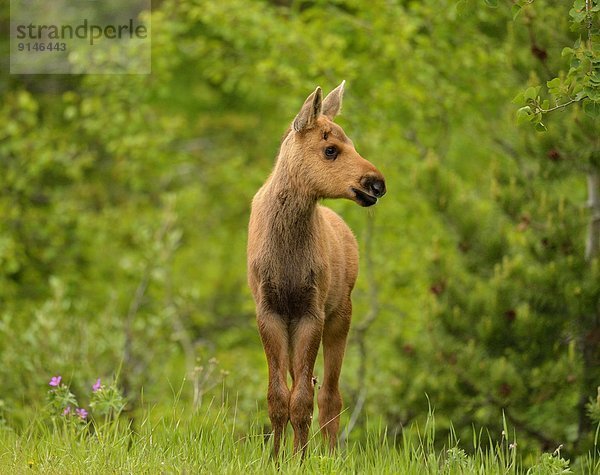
x=331, y=152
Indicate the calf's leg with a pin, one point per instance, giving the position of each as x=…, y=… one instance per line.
x=305, y=339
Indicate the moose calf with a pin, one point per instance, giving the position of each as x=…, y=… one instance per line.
x=303, y=263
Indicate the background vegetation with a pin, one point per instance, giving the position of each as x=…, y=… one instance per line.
x=124, y=202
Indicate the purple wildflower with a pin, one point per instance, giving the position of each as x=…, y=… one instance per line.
x=81, y=412
x=67, y=411
x=97, y=386
x=55, y=381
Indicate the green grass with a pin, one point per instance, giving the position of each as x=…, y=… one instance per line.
x=207, y=442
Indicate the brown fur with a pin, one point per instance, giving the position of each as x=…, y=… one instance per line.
x=303, y=263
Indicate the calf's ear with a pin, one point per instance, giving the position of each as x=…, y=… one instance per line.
x=332, y=104
x=310, y=111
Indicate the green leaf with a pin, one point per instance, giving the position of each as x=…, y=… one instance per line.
x=516, y=9
x=524, y=115
x=592, y=109
x=592, y=93
x=491, y=3
x=519, y=99
x=531, y=93
x=555, y=86
x=578, y=12
x=595, y=78
x=567, y=51
x=540, y=127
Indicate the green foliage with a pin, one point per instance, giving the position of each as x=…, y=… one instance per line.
x=550, y=464
x=107, y=401
x=106, y=404
x=593, y=408
x=61, y=400
x=207, y=442
x=581, y=82
x=123, y=211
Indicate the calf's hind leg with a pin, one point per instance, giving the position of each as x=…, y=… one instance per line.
x=329, y=398
x=274, y=336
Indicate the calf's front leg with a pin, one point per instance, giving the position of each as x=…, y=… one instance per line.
x=305, y=339
x=274, y=335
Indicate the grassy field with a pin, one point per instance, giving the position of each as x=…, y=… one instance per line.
x=207, y=442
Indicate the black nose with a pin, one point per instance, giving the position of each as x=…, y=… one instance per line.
x=377, y=187
x=373, y=185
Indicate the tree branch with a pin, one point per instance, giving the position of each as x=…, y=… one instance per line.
x=560, y=106
x=592, y=245
x=129, y=360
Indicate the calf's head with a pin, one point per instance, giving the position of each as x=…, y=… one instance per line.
x=325, y=159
